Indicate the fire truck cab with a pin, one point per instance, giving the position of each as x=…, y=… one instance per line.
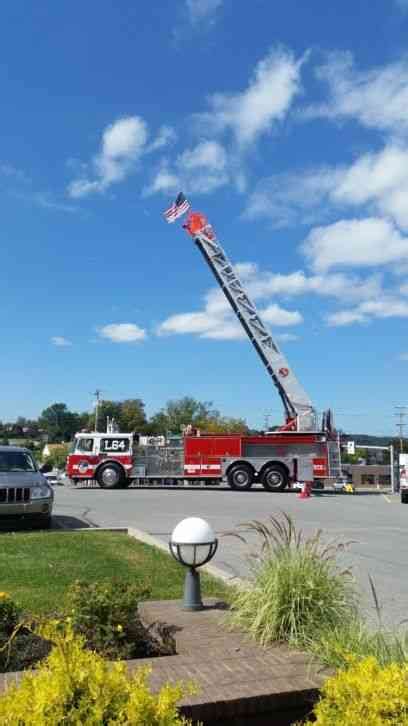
x=106, y=457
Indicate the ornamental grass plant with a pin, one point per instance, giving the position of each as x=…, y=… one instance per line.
x=334, y=646
x=296, y=590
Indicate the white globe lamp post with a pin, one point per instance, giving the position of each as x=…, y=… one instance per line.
x=193, y=544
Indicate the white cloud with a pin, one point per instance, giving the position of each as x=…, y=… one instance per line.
x=287, y=199
x=10, y=171
x=346, y=317
x=266, y=100
x=246, y=115
x=200, y=170
x=123, y=142
x=217, y=321
x=276, y=315
x=46, y=201
x=403, y=356
x=262, y=285
x=166, y=136
x=381, y=179
x=377, y=98
x=286, y=337
x=122, y=333
x=355, y=242
x=377, y=182
x=223, y=325
x=208, y=154
x=60, y=341
x=386, y=307
x=202, y=10
x=165, y=181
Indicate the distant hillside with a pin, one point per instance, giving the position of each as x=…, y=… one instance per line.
x=369, y=440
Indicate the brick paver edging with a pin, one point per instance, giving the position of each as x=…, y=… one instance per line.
x=239, y=682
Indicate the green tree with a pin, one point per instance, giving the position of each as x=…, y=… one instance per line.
x=59, y=422
x=132, y=415
x=129, y=415
x=106, y=409
x=179, y=413
x=200, y=414
x=226, y=425
x=58, y=456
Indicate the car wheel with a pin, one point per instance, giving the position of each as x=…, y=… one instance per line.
x=240, y=477
x=274, y=478
x=110, y=476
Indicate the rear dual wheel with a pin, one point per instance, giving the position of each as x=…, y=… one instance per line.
x=274, y=478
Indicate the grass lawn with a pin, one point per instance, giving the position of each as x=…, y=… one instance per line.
x=37, y=568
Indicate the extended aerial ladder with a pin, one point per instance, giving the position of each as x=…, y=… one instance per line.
x=300, y=412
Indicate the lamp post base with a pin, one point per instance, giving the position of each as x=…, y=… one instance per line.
x=192, y=591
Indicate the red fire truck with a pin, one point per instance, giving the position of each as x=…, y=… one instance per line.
x=300, y=450
x=276, y=460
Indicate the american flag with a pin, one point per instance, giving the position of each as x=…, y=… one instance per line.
x=177, y=209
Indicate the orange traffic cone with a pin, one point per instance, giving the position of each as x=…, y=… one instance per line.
x=306, y=490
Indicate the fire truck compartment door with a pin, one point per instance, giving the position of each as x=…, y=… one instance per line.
x=305, y=469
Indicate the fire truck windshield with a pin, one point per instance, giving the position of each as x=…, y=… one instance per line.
x=85, y=445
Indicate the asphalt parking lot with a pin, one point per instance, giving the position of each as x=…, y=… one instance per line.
x=375, y=524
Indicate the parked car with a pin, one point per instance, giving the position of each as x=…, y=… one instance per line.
x=24, y=491
x=52, y=477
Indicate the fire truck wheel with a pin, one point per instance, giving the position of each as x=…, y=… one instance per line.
x=110, y=476
x=240, y=477
x=274, y=478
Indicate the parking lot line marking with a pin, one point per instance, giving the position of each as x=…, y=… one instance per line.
x=388, y=500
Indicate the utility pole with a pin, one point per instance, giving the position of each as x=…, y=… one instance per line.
x=267, y=419
x=97, y=395
x=401, y=413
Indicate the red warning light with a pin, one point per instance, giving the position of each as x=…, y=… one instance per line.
x=195, y=223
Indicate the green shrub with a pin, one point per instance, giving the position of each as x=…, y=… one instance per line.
x=106, y=614
x=296, y=588
x=76, y=686
x=334, y=646
x=365, y=694
x=19, y=647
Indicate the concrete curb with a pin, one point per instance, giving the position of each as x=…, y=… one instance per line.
x=210, y=569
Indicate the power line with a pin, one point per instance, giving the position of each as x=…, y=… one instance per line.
x=97, y=395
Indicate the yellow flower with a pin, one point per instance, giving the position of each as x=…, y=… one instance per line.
x=119, y=628
x=4, y=595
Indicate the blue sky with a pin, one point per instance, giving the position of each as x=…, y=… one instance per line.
x=287, y=123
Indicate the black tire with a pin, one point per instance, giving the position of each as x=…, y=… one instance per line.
x=404, y=496
x=274, y=478
x=240, y=477
x=110, y=476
